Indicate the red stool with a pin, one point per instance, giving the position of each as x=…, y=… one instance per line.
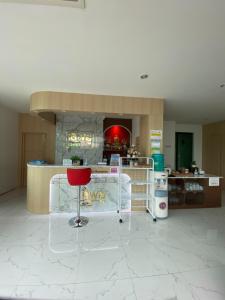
x=78, y=177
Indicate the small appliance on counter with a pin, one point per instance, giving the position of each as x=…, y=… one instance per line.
x=194, y=168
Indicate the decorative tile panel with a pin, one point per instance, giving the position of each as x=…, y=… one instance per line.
x=81, y=135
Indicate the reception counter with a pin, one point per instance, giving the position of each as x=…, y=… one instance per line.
x=183, y=191
x=41, y=177
x=38, y=184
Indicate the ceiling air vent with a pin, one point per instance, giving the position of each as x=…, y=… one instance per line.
x=71, y=3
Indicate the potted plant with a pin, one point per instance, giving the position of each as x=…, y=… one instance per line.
x=75, y=160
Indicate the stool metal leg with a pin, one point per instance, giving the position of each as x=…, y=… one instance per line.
x=78, y=221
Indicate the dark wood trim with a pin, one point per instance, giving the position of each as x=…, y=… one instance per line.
x=108, y=122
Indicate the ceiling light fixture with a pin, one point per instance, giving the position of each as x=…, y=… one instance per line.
x=144, y=76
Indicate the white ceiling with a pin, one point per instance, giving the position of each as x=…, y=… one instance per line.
x=104, y=48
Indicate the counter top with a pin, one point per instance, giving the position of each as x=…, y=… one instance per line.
x=195, y=176
x=88, y=166
x=62, y=166
x=125, y=167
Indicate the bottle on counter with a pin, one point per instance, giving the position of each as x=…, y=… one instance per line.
x=131, y=163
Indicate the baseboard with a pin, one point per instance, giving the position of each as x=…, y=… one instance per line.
x=8, y=191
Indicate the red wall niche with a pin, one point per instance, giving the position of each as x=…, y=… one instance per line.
x=117, y=136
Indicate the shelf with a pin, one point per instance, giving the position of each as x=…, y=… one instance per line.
x=176, y=192
x=139, y=196
x=177, y=206
x=184, y=206
x=137, y=168
x=185, y=192
x=194, y=192
x=140, y=182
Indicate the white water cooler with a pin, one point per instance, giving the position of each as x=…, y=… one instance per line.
x=161, y=194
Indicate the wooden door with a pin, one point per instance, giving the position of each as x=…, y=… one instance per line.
x=214, y=154
x=33, y=147
x=184, y=149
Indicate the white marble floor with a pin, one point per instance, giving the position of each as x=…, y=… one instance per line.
x=180, y=258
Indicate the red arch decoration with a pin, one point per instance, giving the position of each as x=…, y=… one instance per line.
x=117, y=136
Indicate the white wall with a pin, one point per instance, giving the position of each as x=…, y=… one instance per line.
x=135, y=128
x=8, y=149
x=170, y=128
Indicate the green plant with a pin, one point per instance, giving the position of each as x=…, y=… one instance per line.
x=74, y=158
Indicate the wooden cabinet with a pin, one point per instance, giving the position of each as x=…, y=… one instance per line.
x=193, y=192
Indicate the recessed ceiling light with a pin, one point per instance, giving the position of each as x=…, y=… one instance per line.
x=144, y=76
x=222, y=85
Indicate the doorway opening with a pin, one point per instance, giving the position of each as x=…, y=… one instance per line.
x=184, y=150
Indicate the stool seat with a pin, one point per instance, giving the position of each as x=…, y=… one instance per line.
x=78, y=177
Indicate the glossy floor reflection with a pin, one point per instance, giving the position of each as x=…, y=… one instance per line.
x=41, y=257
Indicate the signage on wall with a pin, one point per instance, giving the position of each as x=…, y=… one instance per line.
x=79, y=140
x=155, y=141
x=214, y=181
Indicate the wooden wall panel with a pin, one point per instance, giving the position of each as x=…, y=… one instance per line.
x=57, y=101
x=213, y=151
x=38, y=181
x=148, y=123
x=34, y=124
x=108, y=122
x=151, y=110
x=144, y=131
